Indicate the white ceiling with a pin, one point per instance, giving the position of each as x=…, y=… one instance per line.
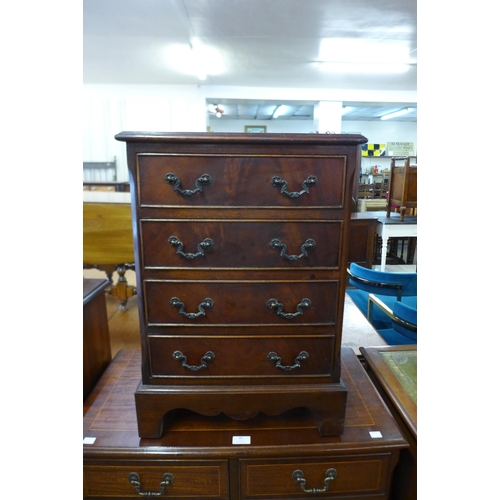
x=261, y=43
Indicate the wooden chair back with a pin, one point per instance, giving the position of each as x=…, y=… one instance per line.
x=402, y=194
x=365, y=191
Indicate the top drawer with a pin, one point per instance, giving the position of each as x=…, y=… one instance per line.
x=248, y=181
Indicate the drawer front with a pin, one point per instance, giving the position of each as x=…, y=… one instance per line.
x=240, y=244
x=203, y=480
x=243, y=356
x=229, y=181
x=359, y=475
x=240, y=302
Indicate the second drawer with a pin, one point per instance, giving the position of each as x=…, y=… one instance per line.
x=240, y=244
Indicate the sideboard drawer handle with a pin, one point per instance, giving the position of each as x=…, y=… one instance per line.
x=208, y=303
x=302, y=356
x=298, y=476
x=166, y=480
x=308, y=244
x=278, y=182
x=204, y=180
x=206, y=244
x=278, y=307
x=208, y=356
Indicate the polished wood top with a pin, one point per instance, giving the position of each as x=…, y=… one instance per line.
x=92, y=287
x=232, y=137
x=383, y=219
x=110, y=418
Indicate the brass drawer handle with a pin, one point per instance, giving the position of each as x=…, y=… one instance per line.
x=303, y=355
x=298, y=476
x=206, y=244
x=208, y=302
x=208, y=356
x=274, y=304
x=277, y=181
x=308, y=244
x=204, y=180
x=166, y=480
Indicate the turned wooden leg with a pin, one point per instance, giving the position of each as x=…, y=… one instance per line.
x=122, y=290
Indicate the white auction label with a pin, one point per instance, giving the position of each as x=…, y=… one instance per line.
x=89, y=440
x=241, y=439
x=375, y=434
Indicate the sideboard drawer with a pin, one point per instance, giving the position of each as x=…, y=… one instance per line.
x=240, y=244
x=354, y=475
x=172, y=302
x=228, y=181
x=190, y=480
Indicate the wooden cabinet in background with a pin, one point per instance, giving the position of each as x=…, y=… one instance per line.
x=96, y=344
x=362, y=238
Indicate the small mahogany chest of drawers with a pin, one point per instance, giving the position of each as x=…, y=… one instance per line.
x=240, y=253
x=281, y=457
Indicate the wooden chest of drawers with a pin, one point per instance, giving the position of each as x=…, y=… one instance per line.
x=280, y=457
x=240, y=251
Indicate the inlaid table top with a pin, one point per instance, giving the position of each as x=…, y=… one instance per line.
x=110, y=424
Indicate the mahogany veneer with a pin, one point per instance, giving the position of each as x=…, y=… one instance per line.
x=240, y=249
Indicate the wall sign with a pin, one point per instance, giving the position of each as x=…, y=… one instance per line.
x=400, y=148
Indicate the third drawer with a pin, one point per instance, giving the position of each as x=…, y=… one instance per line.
x=212, y=302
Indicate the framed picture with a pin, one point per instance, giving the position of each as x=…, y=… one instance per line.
x=255, y=129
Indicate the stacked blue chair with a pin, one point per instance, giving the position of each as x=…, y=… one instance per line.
x=403, y=328
x=388, y=287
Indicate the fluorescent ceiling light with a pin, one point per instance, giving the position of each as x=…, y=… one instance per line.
x=280, y=110
x=396, y=113
x=341, y=67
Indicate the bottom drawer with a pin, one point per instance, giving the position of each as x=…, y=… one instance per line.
x=207, y=479
x=352, y=475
